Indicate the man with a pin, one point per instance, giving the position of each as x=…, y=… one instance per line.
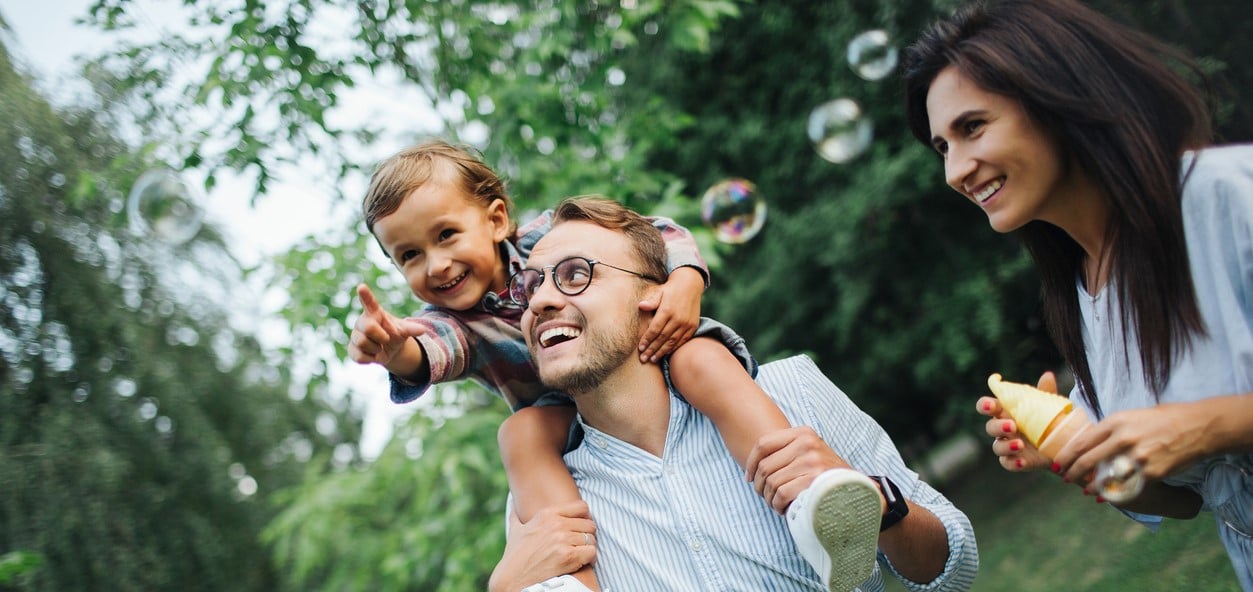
x=672, y=509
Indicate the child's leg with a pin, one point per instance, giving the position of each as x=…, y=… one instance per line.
x=532, y=441
x=714, y=381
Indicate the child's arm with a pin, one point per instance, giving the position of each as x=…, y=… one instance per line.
x=532, y=442
x=714, y=381
x=677, y=307
x=380, y=338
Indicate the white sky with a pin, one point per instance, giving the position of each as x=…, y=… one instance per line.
x=48, y=40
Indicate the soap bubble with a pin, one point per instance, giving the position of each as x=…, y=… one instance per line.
x=839, y=131
x=162, y=204
x=871, y=55
x=734, y=210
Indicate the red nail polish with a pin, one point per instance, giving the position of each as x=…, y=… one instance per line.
x=1018, y=463
x=1005, y=427
x=1013, y=446
x=1100, y=500
x=987, y=406
x=1057, y=468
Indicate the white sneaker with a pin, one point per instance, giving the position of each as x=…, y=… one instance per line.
x=835, y=523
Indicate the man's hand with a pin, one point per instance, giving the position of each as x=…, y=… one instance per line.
x=785, y=462
x=677, y=306
x=377, y=336
x=558, y=540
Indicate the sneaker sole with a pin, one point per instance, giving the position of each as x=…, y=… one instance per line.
x=846, y=522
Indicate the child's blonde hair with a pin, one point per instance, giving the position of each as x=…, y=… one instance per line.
x=413, y=167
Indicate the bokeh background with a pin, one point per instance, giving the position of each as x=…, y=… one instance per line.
x=175, y=409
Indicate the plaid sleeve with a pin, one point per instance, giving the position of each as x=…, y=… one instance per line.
x=681, y=249
x=445, y=344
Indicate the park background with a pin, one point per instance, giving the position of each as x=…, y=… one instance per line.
x=174, y=415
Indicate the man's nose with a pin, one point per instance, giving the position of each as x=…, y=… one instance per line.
x=546, y=295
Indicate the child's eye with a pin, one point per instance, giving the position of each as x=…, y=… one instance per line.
x=407, y=255
x=446, y=234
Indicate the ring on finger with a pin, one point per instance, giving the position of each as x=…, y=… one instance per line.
x=587, y=538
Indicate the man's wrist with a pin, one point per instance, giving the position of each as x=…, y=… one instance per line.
x=896, y=507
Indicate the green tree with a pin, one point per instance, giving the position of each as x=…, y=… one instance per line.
x=141, y=437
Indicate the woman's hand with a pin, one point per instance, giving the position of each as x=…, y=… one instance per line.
x=1013, y=451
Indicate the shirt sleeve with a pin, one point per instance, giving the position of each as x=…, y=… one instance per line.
x=863, y=443
x=681, y=249
x=446, y=347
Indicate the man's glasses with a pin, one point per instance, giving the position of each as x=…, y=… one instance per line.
x=571, y=275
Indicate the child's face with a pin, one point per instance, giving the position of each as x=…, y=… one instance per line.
x=446, y=245
x=994, y=153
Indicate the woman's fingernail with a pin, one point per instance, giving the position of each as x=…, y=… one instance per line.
x=987, y=406
x=1013, y=446
x=1057, y=468
x=1100, y=500
x=1006, y=427
x=1018, y=462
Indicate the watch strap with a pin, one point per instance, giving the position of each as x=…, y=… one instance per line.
x=897, y=508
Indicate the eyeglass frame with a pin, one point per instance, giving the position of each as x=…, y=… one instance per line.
x=551, y=270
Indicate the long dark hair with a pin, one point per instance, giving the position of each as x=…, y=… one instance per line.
x=1121, y=114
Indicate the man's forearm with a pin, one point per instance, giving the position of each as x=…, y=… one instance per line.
x=917, y=546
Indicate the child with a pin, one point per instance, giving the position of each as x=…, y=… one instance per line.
x=442, y=217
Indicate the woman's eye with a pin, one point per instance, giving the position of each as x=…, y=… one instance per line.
x=941, y=147
x=973, y=126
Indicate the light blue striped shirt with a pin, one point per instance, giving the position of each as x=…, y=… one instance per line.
x=689, y=520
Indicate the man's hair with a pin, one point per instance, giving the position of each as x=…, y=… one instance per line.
x=646, y=241
x=1124, y=116
x=403, y=172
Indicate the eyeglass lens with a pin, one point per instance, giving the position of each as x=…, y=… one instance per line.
x=571, y=276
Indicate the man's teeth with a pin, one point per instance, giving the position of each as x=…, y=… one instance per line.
x=453, y=282
x=987, y=191
x=558, y=334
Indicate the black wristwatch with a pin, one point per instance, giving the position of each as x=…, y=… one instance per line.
x=897, y=508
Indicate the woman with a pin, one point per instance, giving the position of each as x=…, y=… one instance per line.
x=1071, y=131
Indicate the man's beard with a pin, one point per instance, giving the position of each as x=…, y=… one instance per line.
x=605, y=352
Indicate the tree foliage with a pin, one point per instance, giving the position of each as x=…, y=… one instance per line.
x=898, y=290
x=140, y=435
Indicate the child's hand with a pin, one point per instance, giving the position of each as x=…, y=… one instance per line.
x=1013, y=451
x=377, y=336
x=677, y=307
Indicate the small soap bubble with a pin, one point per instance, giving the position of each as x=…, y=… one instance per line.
x=871, y=55
x=839, y=130
x=160, y=203
x=734, y=210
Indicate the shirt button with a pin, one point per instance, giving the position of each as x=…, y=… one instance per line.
x=601, y=443
x=697, y=545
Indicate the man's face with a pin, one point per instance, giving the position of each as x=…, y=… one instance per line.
x=578, y=341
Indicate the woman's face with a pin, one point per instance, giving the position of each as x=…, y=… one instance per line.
x=994, y=154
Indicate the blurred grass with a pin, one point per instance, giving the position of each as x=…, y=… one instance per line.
x=1036, y=533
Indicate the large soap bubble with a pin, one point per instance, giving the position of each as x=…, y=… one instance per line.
x=871, y=55
x=162, y=205
x=734, y=210
x=839, y=130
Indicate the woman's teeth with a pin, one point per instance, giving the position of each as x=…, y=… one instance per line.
x=988, y=190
